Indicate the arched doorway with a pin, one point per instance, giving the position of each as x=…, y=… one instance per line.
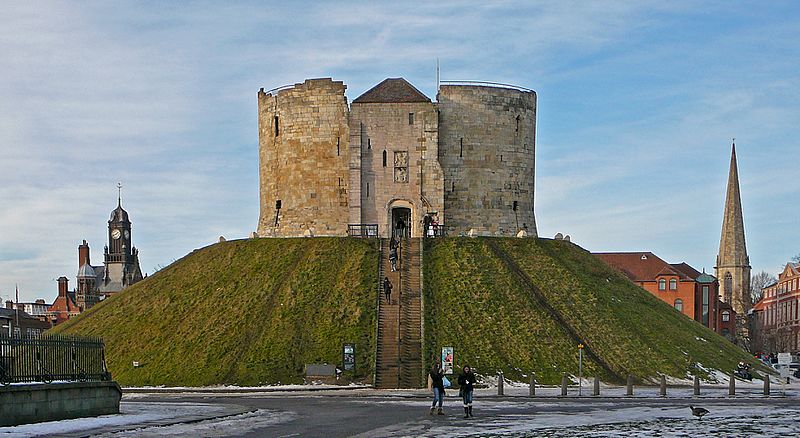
x=401, y=221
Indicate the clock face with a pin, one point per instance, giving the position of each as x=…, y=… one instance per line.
x=115, y=234
x=127, y=234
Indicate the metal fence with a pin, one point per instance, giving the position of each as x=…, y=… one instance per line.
x=52, y=357
x=362, y=230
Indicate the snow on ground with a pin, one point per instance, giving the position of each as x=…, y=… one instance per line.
x=764, y=421
x=131, y=414
x=235, y=425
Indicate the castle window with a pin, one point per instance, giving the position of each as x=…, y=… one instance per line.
x=337, y=146
x=369, y=143
x=461, y=142
x=410, y=118
x=679, y=305
x=277, y=129
x=367, y=190
x=673, y=284
x=384, y=158
x=453, y=187
x=517, y=128
x=662, y=284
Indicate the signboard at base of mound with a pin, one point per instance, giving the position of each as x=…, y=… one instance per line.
x=784, y=358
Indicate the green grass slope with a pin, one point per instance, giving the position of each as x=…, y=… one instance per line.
x=243, y=312
x=482, y=305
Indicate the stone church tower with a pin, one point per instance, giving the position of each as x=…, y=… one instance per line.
x=733, y=264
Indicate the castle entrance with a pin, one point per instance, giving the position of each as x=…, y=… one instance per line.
x=401, y=222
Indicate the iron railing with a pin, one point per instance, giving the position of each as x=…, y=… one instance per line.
x=362, y=230
x=488, y=84
x=435, y=231
x=52, y=357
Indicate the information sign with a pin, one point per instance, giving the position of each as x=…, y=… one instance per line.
x=349, y=360
x=447, y=360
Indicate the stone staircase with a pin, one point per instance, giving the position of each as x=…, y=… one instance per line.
x=387, y=361
x=399, y=351
x=411, y=372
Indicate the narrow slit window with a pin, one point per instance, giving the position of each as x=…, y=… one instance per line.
x=461, y=144
x=384, y=158
x=517, y=128
x=369, y=143
x=277, y=127
x=367, y=190
x=337, y=146
x=453, y=187
x=410, y=118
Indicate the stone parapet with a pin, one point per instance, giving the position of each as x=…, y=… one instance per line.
x=34, y=403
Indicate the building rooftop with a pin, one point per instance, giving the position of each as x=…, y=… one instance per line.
x=392, y=90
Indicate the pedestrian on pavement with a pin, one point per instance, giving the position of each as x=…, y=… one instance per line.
x=387, y=289
x=437, y=383
x=466, y=383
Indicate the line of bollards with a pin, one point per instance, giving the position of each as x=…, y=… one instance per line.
x=629, y=386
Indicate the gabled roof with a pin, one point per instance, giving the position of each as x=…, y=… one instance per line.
x=686, y=270
x=644, y=266
x=392, y=90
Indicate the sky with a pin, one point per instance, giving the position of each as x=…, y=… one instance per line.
x=638, y=103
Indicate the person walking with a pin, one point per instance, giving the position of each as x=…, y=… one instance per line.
x=466, y=381
x=387, y=289
x=393, y=258
x=437, y=383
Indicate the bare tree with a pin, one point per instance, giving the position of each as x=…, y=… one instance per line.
x=757, y=283
x=796, y=258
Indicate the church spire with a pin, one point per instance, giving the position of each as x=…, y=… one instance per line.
x=733, y=264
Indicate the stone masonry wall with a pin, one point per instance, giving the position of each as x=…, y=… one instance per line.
x=410, y=176
x=487, y=149
x=304, y=164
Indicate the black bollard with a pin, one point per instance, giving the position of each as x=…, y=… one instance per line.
x=532, y=388
x=663, y=390
x=629, y=391
x=696, y=385
x=766, y=384
x=596, y=390
x=564, y=385
x=732, y=386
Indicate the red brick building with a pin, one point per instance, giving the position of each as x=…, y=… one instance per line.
x=776, y=317
x=64, y=307
x=689, y=291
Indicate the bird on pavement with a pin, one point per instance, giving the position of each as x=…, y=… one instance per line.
x=698, y=411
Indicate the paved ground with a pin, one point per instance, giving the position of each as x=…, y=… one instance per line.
x=371, y=413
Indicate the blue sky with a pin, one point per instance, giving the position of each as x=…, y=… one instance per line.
x=638, y=102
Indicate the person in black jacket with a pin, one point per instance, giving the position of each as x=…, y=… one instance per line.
x=387, y=289
x=466, y=381
x=437, y=383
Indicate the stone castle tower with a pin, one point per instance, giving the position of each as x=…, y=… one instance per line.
x=395, y=156
x=733, y=264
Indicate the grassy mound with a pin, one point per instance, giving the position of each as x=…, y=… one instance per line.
x=243, y=312
x=522, y=305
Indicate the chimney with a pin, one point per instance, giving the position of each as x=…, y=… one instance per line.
x=62, y=286
x=9, y=304
x=83, y=254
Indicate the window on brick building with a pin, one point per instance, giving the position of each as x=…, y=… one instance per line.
x=679, y=305
x=726, y=316
x=706, y=300
x=673, y=284
x=662, y=284
x=410, y=118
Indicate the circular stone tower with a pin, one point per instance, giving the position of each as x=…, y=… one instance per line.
x=487, y=139
x=303, y=161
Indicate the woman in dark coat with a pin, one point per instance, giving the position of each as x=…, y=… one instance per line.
x=437, y=374
x=466, y=381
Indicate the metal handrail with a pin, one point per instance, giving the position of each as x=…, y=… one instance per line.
x=282, y=87
x=492, y=84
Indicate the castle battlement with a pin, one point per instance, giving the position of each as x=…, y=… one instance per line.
x=394, y=156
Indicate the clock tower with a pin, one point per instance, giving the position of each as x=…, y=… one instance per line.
x=121, y=257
